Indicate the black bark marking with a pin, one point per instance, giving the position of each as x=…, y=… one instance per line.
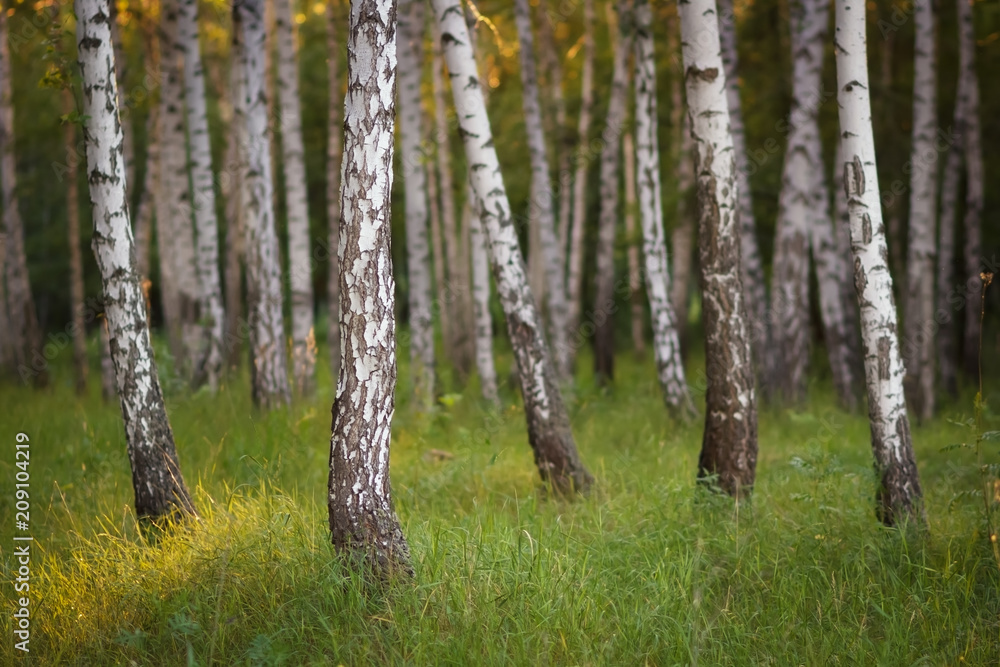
x=707, y=75
x=884, y=345
x=854, y=180
x=866, y=229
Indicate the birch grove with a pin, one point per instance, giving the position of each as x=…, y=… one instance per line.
x=156, y=477
x=899, y=494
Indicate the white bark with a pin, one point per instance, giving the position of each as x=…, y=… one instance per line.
x=574, y=280
x=899, y=492
x=362, y=519
x=410, y=37
x=637, y=311
x=296, y=204
x=234, y=192
x=918, y=332
x=666, y=344
x=541, y=205
x=729, y=446
x=483, y=318
x=335, y=130
x=269, y=377
x=208, y=365
x=157, y=481
x=548, y=423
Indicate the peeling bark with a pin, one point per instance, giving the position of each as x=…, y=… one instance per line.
x=156, y=477
x=899, y=495
x=362, y=519
x=548, y=423
x=729, y=444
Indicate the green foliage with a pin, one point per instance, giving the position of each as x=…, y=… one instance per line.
x=647, y=569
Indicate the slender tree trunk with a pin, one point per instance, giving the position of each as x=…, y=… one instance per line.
x=637, y=312
x=236, y=169
x=79, y=328
x=269, y=375
x=411, y=55
x=437, y=248
x=754, y=290
x=148, y=199
x=729, y=445
x=362, y=519
x=208, y=363
x=541, y=204
x=899, y=492
x=969, y=93
x=156, y=477
x=604, y=302
x=24, y=332
x=335, y=132
x=296, y=204
x=682, y=236
x=548, y=423
x=121, y=73
x=848, y=295
x=483, y=316
x=918, y=333
x=666, y=344
x=582, y=159
x=944, y=315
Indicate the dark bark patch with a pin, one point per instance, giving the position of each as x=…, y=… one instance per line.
x=854, y=177
x=883, y=357
x=708, y=75
x=866, y=229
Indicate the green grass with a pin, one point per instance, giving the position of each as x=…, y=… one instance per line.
x=645, y=570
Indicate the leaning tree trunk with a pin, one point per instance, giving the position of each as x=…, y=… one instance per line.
x=156, y=477
x=604, y=300
x=666, y=344
x=754, y=290
x=268, y=370
x=637, y=312
x=898, y=495
x=969, y=92
x=24, y=333
x=729, y=444
x=296, y=204
x=848, y=295
x=918, y=333
x=75, y=256
x=334, y=129
x=541, y=204
x=362, y=519
x=944, y=315
x=548, y=423
x=418, y=262
x=208, y=363
x=574, y=279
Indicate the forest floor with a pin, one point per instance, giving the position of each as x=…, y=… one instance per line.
x=647, y=568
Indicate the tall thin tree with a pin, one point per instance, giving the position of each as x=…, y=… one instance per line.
x=334, y=130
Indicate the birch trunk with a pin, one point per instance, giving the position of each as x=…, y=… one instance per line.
x=79, y=329
x=944, y=315
x=666, y=344
x=148, y=198
x=548, y=423
x=582, y=159
x=208, y=364
x=729, y=445
x=969, y=92
x=156, y=477
x=24, y=333
x=268, y=370
x=754, y=290
x=918, y=333
x=437, y=249
x=235, y=223
x=604, y=301
x=898, y=495
x=362, y=519
x=848, y=295
x=411, y=55
x=121, y=73
x=637, y=312
x=296, y=204
x=482, y=316
x=682, y=236
x=335, y=131
x=541, y=205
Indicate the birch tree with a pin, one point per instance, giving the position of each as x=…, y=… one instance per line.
x=23, y=331
x=334, y=131
x=156, y=477
x=898, y=495
x=411, y=55
x=604, y=300
x=946, y=339
x=548, y=423
x=542, y=206
x=296, y=204
x=234, y=192
x=209, y=364
x=729, y=444
x=918, y=349
x=666, y=344
x=754, y=290
x=362, y=519
x=636, y=311
x=578, y=221
x=268, y=369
